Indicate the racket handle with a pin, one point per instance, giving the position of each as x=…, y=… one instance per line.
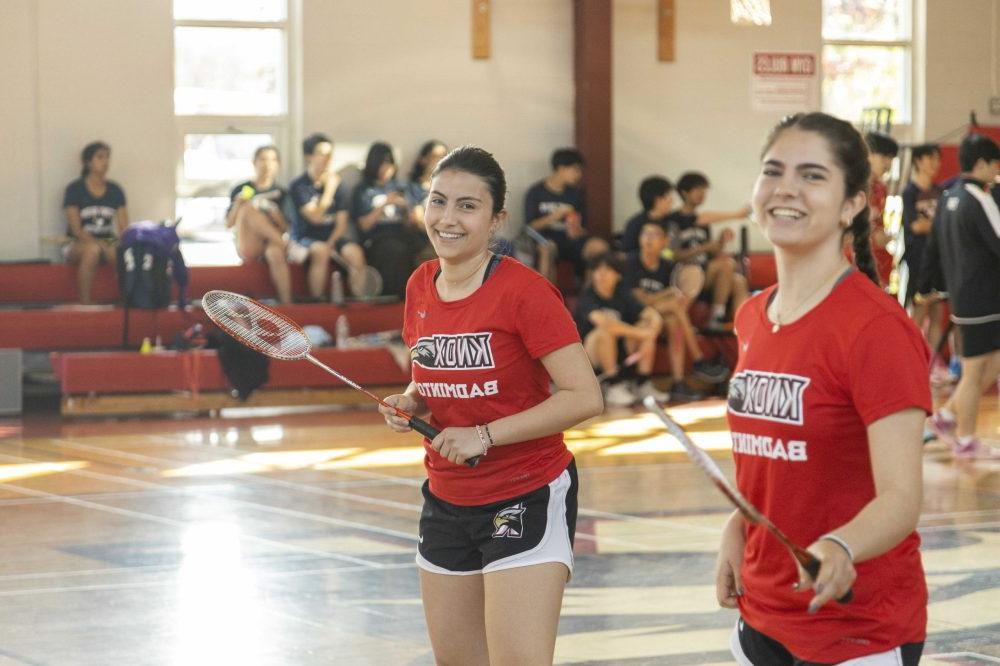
x=430, y=432
x=812, y=568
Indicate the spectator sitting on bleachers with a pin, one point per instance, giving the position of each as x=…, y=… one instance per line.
x=614, y=326
x=657, y=202
x=724, y=286
x=320, y=220
x=381, y=210
x=647, y=277
x=417, y=189
x=255, y=215
x=555, y=208
x=96, y=216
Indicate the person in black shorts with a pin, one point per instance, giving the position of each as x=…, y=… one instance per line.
x=964, y=249
x=320, y=219
x=555, y=207
x=487, y=337
x=95, y=214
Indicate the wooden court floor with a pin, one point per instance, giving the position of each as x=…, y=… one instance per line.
x=289, y=539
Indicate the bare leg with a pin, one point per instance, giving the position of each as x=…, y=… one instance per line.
x=87, y=254
x=454, y=607
x=675, y=343
x=719, y=277
x=522, y=614
x=281, y=276
x=602, y=349
x=319, y=268
x=968, y=392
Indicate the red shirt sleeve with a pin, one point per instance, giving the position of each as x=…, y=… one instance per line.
x=542, y=319
x=889, y=369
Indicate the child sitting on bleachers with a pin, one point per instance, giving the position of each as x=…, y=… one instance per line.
x=255, y=215
x=96, y=216
x=724, y=286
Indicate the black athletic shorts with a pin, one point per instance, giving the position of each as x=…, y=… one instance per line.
x=529, y=529
x=752, y=648
x=979, y=339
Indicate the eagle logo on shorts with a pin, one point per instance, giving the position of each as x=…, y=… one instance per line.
x=508, y=522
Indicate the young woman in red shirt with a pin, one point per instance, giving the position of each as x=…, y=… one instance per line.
x=487, y=336
x=826, y=409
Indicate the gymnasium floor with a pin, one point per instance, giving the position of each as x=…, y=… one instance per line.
x=289, y=540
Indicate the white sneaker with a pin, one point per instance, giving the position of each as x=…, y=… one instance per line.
x=648, y=389
x=619, y=395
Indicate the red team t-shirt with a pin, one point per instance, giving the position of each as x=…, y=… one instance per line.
x=799, y=404
x=476, y=360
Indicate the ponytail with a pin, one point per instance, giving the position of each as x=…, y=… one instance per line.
x=860, y=231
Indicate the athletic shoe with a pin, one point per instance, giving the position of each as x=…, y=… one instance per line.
x=711, y=371
x=648, y=389
x=943, y=427
x=619, y=395
x=681, y=392
x=975, y=449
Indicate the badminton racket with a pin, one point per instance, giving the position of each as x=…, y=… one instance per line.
x=805, y=559
x=273, y=334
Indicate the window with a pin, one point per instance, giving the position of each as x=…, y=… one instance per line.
x=866, y=57
x=231, y=73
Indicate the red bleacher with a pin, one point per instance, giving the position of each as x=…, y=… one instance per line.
x=90, y=362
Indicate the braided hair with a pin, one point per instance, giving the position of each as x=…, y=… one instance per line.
x=851, y=154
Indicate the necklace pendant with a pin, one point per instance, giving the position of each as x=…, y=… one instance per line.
x=775, y=327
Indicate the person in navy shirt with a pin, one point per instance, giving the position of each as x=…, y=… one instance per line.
x=555, y=208
x=96, y=216
x=320, y=220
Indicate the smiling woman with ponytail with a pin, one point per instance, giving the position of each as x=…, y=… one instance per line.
x=853, y=370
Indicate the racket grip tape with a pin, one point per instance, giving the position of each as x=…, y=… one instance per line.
x=812, y=568
x=430, y=432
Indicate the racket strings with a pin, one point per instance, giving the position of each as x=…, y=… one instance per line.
x=255, y=326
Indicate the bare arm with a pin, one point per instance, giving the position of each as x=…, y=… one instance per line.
x=713, y=216
x=315, y=210
x=577, y=398
x=75, y=224
x=897, y=466
x=339, y=227
x=121, y=220
x=559, y=213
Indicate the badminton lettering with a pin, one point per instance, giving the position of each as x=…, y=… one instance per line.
x=461, y=391
x=767, y=395
x=769, y=447
x=465, y=351
x=508, y=523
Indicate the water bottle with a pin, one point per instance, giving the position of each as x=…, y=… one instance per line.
x=343, y=331
x=337, y=288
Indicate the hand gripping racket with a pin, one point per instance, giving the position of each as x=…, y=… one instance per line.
x=273, y=334
x=805, y=559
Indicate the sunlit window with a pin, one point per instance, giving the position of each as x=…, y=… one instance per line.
x=231, y=73
x=867, y=57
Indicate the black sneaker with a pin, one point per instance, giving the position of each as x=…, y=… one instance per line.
x=711, y=371
x=681, y=392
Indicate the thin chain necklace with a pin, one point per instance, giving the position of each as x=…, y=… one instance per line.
x=776, y=326
x=474, y=271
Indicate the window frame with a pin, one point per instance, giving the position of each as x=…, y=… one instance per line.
x=902, y=117
x=284, y=127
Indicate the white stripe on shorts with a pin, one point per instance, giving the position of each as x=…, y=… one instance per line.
x=555, y=545
x=893, y=657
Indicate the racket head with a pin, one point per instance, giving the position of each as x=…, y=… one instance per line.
x=256, y=326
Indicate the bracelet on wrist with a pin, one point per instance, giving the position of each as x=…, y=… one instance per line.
x=840, y=542
x=489, y=435
x=482, y=440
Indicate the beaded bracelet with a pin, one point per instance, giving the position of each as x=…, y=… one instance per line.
x=482, y=440
x=840, y=542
